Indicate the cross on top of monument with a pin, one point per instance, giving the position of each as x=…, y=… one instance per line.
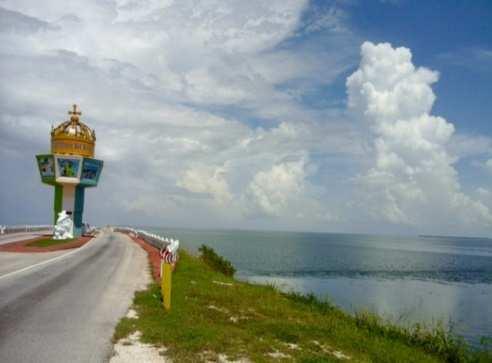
x=74, y=112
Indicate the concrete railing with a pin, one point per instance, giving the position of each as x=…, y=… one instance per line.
x=151, y=238
x=25, y=228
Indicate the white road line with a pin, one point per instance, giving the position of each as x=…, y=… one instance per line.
x=46, y=262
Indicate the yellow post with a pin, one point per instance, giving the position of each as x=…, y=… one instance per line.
x=166, y=277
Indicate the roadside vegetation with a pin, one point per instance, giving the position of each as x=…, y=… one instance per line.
x=216, y=317
x=215, y=261
x=47, y=242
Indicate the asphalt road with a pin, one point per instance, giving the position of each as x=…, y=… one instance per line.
x=14, y=261
x=65, y=308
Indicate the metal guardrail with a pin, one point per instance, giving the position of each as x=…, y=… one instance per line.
x=24, y=228
x=151, y=238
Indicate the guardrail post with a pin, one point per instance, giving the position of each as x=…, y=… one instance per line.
x=166, y=281
x=169, y=256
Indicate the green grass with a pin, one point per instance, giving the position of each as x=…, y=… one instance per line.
x=47, y=242
x=214, y=314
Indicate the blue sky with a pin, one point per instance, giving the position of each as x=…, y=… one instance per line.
x=346, y=116
x=446, y=36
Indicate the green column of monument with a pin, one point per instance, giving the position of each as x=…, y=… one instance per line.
x=58, y=202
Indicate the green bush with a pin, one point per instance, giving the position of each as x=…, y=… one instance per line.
x=312, y=301
x=218, y=263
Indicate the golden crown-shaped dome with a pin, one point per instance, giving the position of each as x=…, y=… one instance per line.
x=73, y=137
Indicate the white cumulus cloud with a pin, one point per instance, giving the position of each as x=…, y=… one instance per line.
x=207, y=180
x=412, y=180
x=272, y=191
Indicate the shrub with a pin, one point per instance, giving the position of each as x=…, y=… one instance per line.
x=312, y=301
x=218, y=263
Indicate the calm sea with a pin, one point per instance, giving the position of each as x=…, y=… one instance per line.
x=405, y=279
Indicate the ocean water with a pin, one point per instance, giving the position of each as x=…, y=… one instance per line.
x=405, y=279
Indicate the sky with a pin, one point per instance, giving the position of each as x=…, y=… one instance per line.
x=337, y=116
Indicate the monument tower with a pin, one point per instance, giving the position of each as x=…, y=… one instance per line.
x=71, y=167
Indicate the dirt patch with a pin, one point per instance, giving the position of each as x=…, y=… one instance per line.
x=222, y=283
x=131, y=350
x=278, y=355
x=328, y=350
x=23, y=246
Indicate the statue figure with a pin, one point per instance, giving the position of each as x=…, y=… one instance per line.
x=64, y=226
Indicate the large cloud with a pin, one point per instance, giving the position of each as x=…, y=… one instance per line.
x=190, y=102
x=413, y=180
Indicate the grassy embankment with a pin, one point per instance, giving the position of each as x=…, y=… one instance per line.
x=214, y=314
x=47, y=242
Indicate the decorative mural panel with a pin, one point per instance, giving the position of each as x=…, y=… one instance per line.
x=46, y=165
x=91, y=170
x=68, y=169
